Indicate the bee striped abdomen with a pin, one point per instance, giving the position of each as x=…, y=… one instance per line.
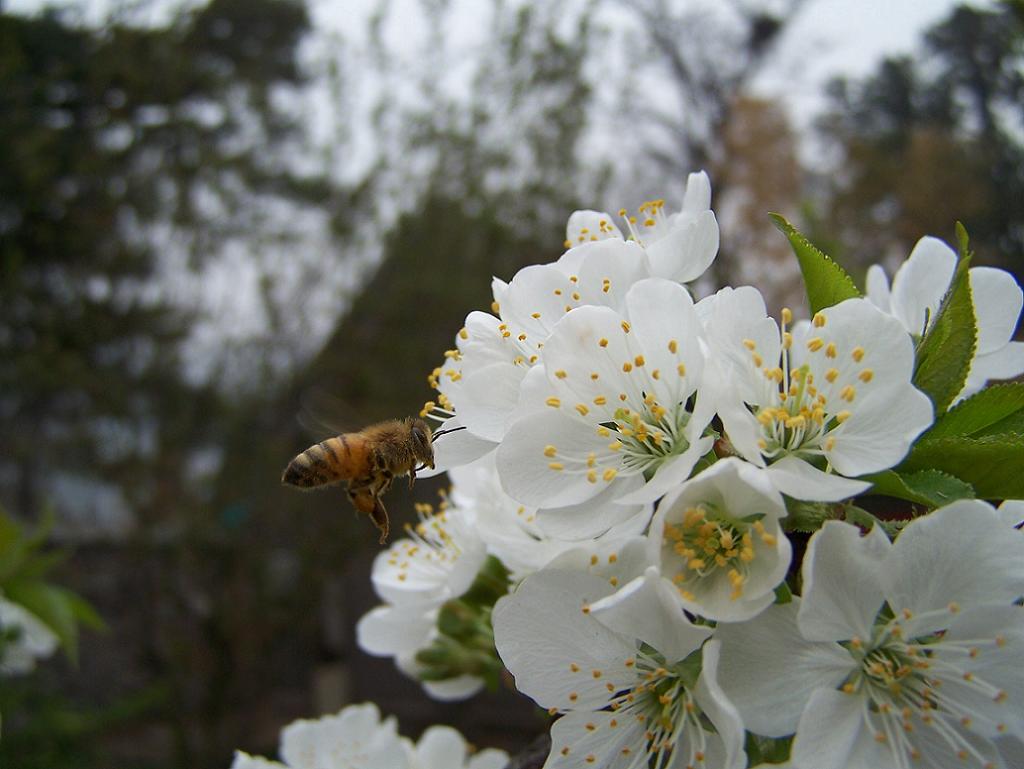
x=330, y=461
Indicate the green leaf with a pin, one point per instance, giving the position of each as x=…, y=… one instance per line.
x=991, y=464
x=783, y=594
x=85, y=613
x=490, y=584
x=944, y=353
x=59, y=609
x=998, y=409
x=10, y=532
x=827, y=283
x=858, y=516
x=925, y=487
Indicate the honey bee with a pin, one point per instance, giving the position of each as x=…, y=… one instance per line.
x=369, y=460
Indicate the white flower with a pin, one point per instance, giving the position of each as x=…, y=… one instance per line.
x=355, y=738
x=718, y=542
x=442, y=747
x=1011, y=512
x=898, y=655
x=916, y=295
x=513, y=532
x=833, y=398
x=632, y=696
x=679, y=246
x=607, y=415
x=416, y=576
x=25, y=639
x=479, y=382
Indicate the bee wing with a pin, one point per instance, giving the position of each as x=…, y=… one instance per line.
x=322, y=413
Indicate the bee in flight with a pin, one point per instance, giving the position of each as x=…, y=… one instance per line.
x=369, y=460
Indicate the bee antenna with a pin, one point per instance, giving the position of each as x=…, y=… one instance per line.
x=439, y=433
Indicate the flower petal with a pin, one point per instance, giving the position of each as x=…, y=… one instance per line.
x=441, y=747
x=768, y=670
x=619, y=561
x=719, y=709
x=1005, y=363
x=1011, y=512
x=697, y=197
x=588, y=226
x=603, y=515
x=456, y=449
x=356, y=732
x=559, y=655
x=245, y=761
x=686, y=250
x=488, y=396
x=490, y=758
x=997, y=305
x=921, y=282
x=837, y=557
x=1011, y=751
x=958, y=555
x=531, y=476
x=831, y=735
x=800, y=480
x=646, y=609
x=877, y=288
x=881, y=430
x=985, y=643
x=391, y=630
x=599, y=740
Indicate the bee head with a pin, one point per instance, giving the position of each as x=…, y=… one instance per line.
x=422, y=449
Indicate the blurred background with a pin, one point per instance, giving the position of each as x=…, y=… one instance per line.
x=218, y=216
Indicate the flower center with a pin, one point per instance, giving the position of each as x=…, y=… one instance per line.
x=430, y=549
x=649, y=224
x=638, y=442
x=651, y=435
x=702, y=541
x=921, y=686
x=662, y=701
x=802, y=405
x=797, y=421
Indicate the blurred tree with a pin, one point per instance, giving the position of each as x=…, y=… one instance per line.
x=494, y=177
x=109, y=142
x=924, y=142
x=680, y=96
x=131, y=159
x=763, y=174
x=487, y=184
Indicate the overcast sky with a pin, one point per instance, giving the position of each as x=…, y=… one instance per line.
x=829, y=37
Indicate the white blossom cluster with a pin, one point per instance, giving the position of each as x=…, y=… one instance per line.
x=635, y=459
x=357, y=738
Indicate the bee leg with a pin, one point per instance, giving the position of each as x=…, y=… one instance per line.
x=412, y=476
x=379, y=516
x=365, y=495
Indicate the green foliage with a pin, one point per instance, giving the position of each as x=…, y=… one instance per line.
x=925, y=487
x=996, y=410
x=23, y=567
x=980, y=441
x=990, y=464
x=826, y=282
x=808, y=517
x=944, y=353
